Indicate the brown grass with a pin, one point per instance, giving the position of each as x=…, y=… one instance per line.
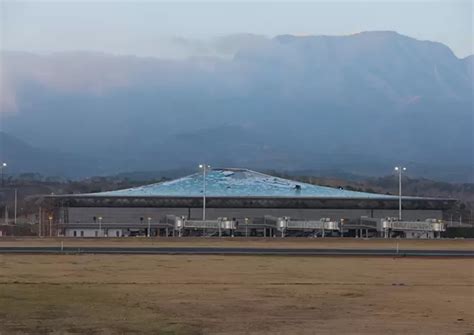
x=93, y=294
x=349, y=243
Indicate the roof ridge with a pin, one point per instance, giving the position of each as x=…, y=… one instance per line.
x=238, y=182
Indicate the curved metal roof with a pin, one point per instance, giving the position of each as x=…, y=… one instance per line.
x=239, y=183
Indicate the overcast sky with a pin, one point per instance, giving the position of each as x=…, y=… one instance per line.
x=150, y=28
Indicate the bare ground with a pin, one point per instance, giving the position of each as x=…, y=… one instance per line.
x=145, y=294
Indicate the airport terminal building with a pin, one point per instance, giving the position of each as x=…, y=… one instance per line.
x=237, y=202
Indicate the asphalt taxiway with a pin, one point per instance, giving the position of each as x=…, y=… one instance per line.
x=235, y=251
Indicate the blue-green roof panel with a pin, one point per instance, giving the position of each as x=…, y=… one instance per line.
x=240, y=183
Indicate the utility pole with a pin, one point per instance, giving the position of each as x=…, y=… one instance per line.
x=399, y=169
x=39, y=221
x=16, y=205
x=2, y=167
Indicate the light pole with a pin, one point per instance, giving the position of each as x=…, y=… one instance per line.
x=50, y=218
x=399, y=169
x=204, y=168
x=100, y=225
x=2, y=167
x=149, y=220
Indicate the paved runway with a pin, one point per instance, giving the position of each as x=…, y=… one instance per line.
x=236, y=251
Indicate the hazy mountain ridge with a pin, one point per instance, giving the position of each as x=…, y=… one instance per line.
x=370, y=99
x=380, y=61
x=469, y=63
x=22, y=157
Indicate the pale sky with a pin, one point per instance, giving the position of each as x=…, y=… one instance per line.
x=145, y=28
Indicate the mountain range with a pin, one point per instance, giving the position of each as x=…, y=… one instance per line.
x=356, y=104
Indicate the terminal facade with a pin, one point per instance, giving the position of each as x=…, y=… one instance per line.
x=239, y=202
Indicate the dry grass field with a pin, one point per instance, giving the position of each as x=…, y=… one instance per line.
x=348, y=243
x=148, y=294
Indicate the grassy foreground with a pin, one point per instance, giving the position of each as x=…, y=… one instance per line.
x=145, y=294
x=348, y=243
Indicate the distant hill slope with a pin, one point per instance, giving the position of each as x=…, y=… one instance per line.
x=24, y=158
x=359, y=103
x=469, y=63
